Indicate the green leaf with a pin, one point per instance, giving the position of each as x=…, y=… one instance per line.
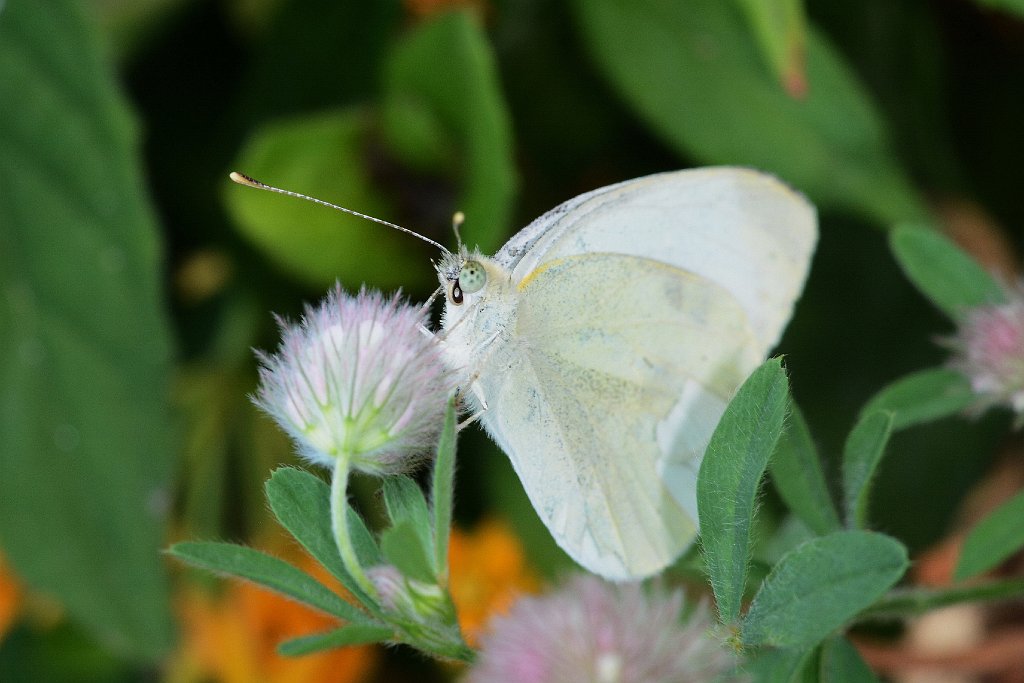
x=353, y=634
x=267, y=571
x=729, y=478
x=994, y=539
x=311, y=38
x=864, y=448
x=841, y=663
x=442, y=84
x=323, y=156
x=784, y=665
x=696, y=78
x=367, y=551
x=1011, y=6
x=922, y=396
x=406, y=505
x=948, y=276
x=774, y=539
x=821, y=584
x=204, y=404
x=401, y=547
x=780, y=28
x=442, y=490
x=87, y=454
x=796, y=472
x=301, y=502
x=911, y=602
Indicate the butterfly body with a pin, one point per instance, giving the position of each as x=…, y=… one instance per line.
x=601, y=345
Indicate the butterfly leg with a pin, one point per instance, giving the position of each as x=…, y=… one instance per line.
x=474, y=386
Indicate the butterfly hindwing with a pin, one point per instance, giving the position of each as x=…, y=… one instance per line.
x=608, y=386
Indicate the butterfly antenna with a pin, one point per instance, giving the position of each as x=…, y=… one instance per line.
x=457, y=220
x=243, y=179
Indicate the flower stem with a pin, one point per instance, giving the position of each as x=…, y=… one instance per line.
x=339, y=524
x=900, y=603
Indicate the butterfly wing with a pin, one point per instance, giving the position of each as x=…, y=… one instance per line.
x=739, y=228
x=618, y=373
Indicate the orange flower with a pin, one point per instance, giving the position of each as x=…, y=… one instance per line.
x=10, y=598
x=233, y=638
x=488, y=572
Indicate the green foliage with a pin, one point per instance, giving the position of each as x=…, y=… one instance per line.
x=407, y=507
x=443, y=491
x=60, y=655
x=950, y=278
x=994, y=539
x=449, y=122
x=352, y=634
x=267, y=571
x=796, y=471
x=367, y=549
x=1011, y=6
x=87, y=445
x=780, y=28
x=921, y=397
x=863, y=452
x=411, y=605
x=406, y=112
x=300, y=501
x=402, y=548
x=834, y=661
x=674, y=78
x=784, y=665
x=442, y=79
x=322, y=155
x=730, y=476
x=817, y=587
x=841, y=663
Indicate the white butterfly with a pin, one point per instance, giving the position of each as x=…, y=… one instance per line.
x=602, y=343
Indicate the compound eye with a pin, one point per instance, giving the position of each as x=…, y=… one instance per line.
x=455, y=294
x=472, y=277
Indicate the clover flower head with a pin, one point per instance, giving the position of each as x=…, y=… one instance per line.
x=989, y=350
x=592, y=631
x=358, y=378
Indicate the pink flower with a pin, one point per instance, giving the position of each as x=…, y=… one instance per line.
x=358, y=378
x=591, y=631
x=990, y=351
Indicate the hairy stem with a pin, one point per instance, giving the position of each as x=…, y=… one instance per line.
x=339, y=524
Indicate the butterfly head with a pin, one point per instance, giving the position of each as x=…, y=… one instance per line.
x=461, y=275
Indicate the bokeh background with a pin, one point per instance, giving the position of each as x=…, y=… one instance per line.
x=135, y=279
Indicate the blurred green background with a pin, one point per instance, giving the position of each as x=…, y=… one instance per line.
x=136, y=278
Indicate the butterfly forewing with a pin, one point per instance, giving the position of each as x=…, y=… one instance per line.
x=745, y=230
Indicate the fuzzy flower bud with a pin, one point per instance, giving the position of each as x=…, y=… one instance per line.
x=596, y=632
x=416, y=600
x=990, y=351
x=423, y=612
x=357, y=379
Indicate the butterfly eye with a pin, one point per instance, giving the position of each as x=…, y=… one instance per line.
x=456, y=294
x=472, y=277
